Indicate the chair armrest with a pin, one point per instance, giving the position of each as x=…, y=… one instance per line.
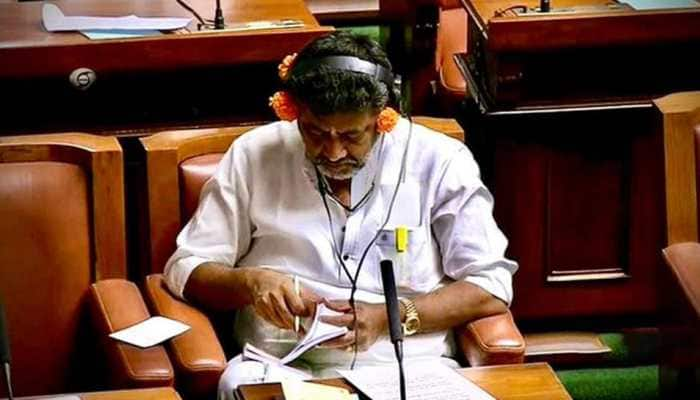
x=684, y=261
x=197, y=354
x=491, y=340
x=116, y=304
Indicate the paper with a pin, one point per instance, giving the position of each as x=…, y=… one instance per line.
x=150, y=332
x=54, y=20
x=424, y=381
x=298, y=390
x=119, y=34
x=661, y=4
x=317, y=332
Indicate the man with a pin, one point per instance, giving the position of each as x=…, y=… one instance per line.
x=318, y=198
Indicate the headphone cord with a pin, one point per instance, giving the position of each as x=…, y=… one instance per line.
x=353, y=280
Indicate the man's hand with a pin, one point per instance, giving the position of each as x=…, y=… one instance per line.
x=274, y=299
x=371, y=324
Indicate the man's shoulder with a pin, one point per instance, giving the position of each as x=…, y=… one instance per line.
x=269, y=139
x=432, y=144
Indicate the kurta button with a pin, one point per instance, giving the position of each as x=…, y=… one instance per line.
x=345, y=257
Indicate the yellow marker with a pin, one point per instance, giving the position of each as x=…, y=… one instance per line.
x=401, y=239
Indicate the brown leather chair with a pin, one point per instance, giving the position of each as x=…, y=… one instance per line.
x=178, y=163
x=62, y=247
x=679, y=115
x=451, y=39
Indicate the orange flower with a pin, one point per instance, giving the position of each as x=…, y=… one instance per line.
x=284, y=67
x=283, y=105
x=387, y=119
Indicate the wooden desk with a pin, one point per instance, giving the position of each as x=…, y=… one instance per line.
x=521, y=382
x=136, y=394
x=522, y=61
x=28, y=50
x=176, y=79
x=565, y=136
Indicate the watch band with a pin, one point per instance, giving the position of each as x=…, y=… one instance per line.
x=411, y=323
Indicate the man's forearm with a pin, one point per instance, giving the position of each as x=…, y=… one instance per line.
x=218, y=287
x=454, y=304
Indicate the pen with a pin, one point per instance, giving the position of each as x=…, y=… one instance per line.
x=296, y=291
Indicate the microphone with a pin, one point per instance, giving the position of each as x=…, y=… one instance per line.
x=5, y=357
x=544, y=5
x=392, y=310
x=219, y=16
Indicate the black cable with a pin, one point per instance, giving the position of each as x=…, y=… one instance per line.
x=353, y=280
x=192, y=11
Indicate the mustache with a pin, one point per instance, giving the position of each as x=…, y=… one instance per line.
x=339, y=163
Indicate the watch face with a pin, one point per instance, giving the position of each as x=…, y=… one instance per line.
x=412, y=325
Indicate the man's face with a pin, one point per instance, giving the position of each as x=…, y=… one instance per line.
x=338, y=144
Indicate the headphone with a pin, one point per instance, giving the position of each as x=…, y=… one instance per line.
x=355, y=64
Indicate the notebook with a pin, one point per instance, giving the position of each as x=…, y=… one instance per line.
x=316, y=330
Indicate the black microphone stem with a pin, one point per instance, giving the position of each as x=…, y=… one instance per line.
x=398, y=349
x=219, y=16
x=393, y=318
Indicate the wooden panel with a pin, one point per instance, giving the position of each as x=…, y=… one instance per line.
x=579, y=197
x=586, y=211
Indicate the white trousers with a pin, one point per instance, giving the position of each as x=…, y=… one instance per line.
x=240, y=372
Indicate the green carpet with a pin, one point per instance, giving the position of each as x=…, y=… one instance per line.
x=629, y=371
x=374, y=32
x=638, y=383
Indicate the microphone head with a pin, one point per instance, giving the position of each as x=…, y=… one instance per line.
x=4, y=338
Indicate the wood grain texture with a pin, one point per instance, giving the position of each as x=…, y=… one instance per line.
x=680, y=117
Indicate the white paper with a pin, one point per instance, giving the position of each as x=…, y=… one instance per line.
x=150, y=332
x=317, y=332
x=119, y=34
x=424, y=381
x=661, y=4
x=299, y=390
x=54, y=20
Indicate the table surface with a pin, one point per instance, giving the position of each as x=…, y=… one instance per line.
x=166, y=393
x=28, y=50
x=504, y=382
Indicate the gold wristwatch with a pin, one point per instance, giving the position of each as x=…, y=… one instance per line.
x=411, y=324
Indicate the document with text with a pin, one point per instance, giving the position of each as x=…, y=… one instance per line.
x=424, y=381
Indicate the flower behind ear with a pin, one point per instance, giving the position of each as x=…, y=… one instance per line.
x=387, y=119
x=283, y=105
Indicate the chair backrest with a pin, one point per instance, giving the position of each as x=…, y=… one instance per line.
x=179, y=162
x=61, y=228
x=680, y=117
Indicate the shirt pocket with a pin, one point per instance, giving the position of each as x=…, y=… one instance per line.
x=412, y=267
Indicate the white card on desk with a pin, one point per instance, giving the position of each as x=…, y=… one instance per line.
x=150, y=332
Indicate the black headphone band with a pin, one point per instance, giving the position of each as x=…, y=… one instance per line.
x=348, y=63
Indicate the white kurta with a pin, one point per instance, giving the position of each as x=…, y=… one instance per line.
x=262, y=207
